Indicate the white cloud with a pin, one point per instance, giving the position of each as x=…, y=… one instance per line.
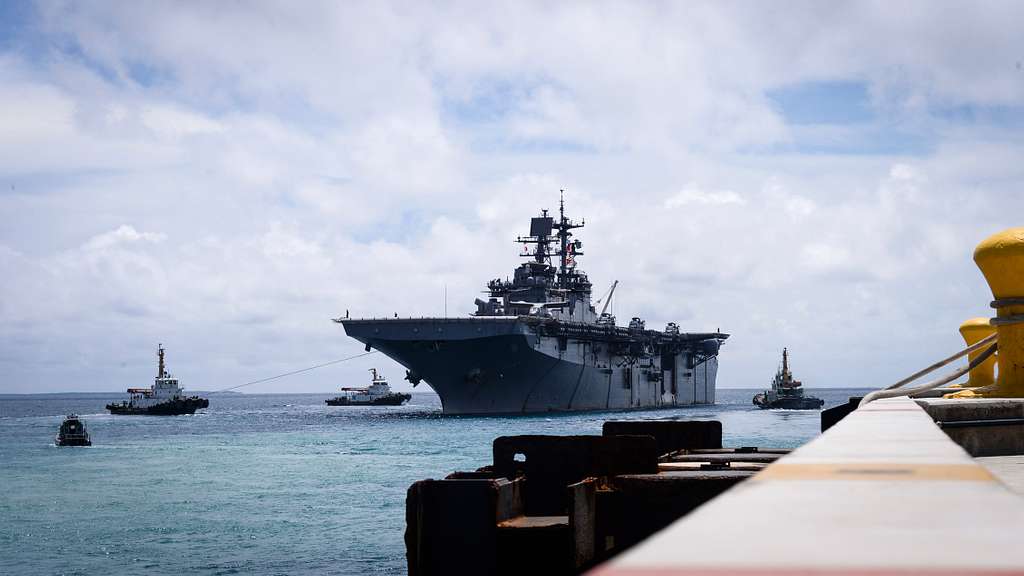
x=820, y=257
x=692, y=195
x=33, y=112
x=172, y=122
x=124, y=234
x=227, y=178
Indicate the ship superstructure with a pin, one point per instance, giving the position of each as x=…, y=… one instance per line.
x=538, y=344
x=164, y=398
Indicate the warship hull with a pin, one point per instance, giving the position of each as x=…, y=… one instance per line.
x=508, y=366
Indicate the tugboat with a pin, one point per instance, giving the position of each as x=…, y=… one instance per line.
x=72, y=433
x=164, y=398
x=378, y=394
x=786, y=392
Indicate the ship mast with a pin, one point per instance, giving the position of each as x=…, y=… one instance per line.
x=563, y=238
x=564, y=226
x=160, y=354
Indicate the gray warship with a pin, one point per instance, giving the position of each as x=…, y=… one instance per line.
x=537, y=344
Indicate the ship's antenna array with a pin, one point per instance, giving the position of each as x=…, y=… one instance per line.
x=338, y=361
x=567, y=251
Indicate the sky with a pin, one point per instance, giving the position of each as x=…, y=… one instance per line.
x=224, y=178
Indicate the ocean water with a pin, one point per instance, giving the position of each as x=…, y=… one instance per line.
x=266, y=484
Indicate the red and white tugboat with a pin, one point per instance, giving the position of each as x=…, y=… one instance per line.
x=377, y=394
x=163, y=398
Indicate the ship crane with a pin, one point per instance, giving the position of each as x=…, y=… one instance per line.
x=608, y=300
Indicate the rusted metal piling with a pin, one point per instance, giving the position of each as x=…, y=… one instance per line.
x=562, y=504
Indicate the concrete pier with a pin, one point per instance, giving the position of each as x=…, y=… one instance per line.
x=884, y=491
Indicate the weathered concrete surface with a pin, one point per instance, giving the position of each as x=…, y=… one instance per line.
x=740, y=450
x=534, y=523
x=583, y=523
x=1008, y=469
x=723, y=458
x=534, y=544
x=953, y=410
x=670, y=435
x=638, y=505
x=551, y=463
x=694, y=466
x=884, y=491
x=983, y=439
x=436, y=509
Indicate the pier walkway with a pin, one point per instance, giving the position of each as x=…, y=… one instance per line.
x=884, y=491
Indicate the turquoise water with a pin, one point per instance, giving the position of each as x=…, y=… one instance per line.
x=265, y=484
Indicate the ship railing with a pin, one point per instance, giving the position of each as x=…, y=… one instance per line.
x=470, y=318
x=556, y=327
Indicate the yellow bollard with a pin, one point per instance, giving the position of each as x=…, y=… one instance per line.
x=1001, y=259
x=974, y=330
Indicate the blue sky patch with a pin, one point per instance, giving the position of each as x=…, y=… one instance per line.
x=491, y=101
x=824, y=103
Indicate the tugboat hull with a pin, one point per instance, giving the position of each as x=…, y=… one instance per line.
x=392, y=400
x=73, y=442
x=807, y=403
x=171, y=408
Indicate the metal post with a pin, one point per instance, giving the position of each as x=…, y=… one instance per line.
x=972, y=331
x=1001, y=259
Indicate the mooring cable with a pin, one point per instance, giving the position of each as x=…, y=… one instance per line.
x=293, y=372
x=894, y=392
x=980, y=343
